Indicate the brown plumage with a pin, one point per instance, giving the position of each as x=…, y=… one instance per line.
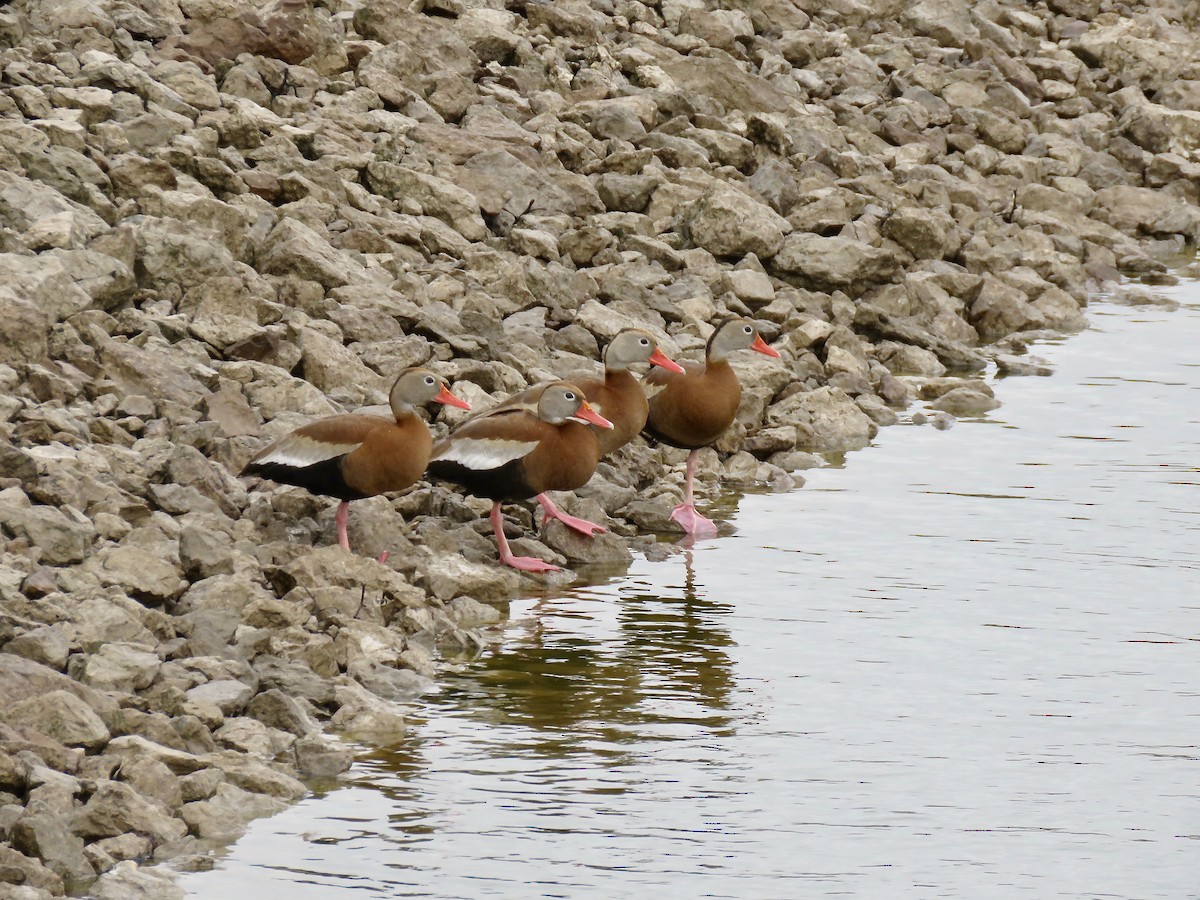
x=693, y=409
x=513, y=453
x=618, y=396
x=355, y=456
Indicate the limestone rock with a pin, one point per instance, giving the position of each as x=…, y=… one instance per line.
x=728, y=222
x=128, y=881
x=116, y=809
x=60, y=715
x=834, y=263
x=831, y=421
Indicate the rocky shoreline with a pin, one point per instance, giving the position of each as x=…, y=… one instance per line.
x=220, y=220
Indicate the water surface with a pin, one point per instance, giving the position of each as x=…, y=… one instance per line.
x=963, y=665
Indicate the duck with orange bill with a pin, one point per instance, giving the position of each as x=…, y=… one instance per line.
x=618, y=396
x=513, y=453
x=354, y=456
x=693, y=408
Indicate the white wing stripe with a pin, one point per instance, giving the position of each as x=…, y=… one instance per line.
x=301, y=452
x=484, y=453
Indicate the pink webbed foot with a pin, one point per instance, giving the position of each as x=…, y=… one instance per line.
x=383, y=557
x=583, y=526
x=529, y=564
x=686, y=516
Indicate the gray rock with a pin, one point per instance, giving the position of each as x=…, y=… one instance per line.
x=727, y=222
x=63, y=536
x=1000, y=310
x=320, y=757
x=60, y=715
x=153, y=778
x=965, y=401
x=452, y=576
x=430, y=196
x=275, y=708
x=257, y=776
x=224, y=816
x=46, y=644
x=116, y=809
x=293, y=248
x=128, y=881
x=830, y=419
x=470, y=613
x=120, y=667
x=23, y=330
x=228, y=696
x=834, y=263
x=42, y=833
x=21, y=871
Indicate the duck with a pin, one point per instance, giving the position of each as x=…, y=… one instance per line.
x=512, y=452
x=354, y=456
x=618, y=396
x=692, y=409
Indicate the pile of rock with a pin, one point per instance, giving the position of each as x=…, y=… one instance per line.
x=216, y=224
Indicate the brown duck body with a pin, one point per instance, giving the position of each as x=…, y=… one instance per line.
x=692, y=409
x=349, y=457
x=618, y=396
x=543, y=457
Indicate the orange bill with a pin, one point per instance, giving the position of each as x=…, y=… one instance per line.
x=763, y=347
x=658, y=358
x=587, y=414
x=444, y=396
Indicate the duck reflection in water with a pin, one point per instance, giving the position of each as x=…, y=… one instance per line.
x=590, y=672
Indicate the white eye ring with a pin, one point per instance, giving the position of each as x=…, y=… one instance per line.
x=569, y=395
x=748, y=329
x=644, y=342
x=429, y=380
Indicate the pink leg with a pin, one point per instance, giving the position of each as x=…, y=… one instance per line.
x=583, y=526
x=522, y=563
x=342, y=517
x=685, y=514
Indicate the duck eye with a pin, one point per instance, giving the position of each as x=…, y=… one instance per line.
x=748, y=329
x=429, y=380
x=569, y=395
x=645, y=343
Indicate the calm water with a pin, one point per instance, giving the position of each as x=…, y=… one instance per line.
x=965, y=665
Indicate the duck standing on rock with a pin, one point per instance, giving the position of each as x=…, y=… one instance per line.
x=356, y=456
x=691, y=410
x=618, y=396
x=513, y=453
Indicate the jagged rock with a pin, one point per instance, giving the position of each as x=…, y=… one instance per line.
x=293, y=248
x=452, y=576
x=727, y=222
x=1000, y=310
x=828, y=419
x=138, y=572
x=965, y=401
x=60, y=715
x=128, y=881
x=430, y=196
x=834, y=263
x=224, y=815
x=63, y=536
x=320, y=757
x=115, y=809
x=120, y=667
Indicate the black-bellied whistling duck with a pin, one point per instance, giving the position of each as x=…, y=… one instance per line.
x=355, y=456
x=693, y=409
x=513, y=453
x=618, y=396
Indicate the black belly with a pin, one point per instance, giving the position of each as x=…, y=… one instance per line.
x=506, y=482
x=324, y=478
